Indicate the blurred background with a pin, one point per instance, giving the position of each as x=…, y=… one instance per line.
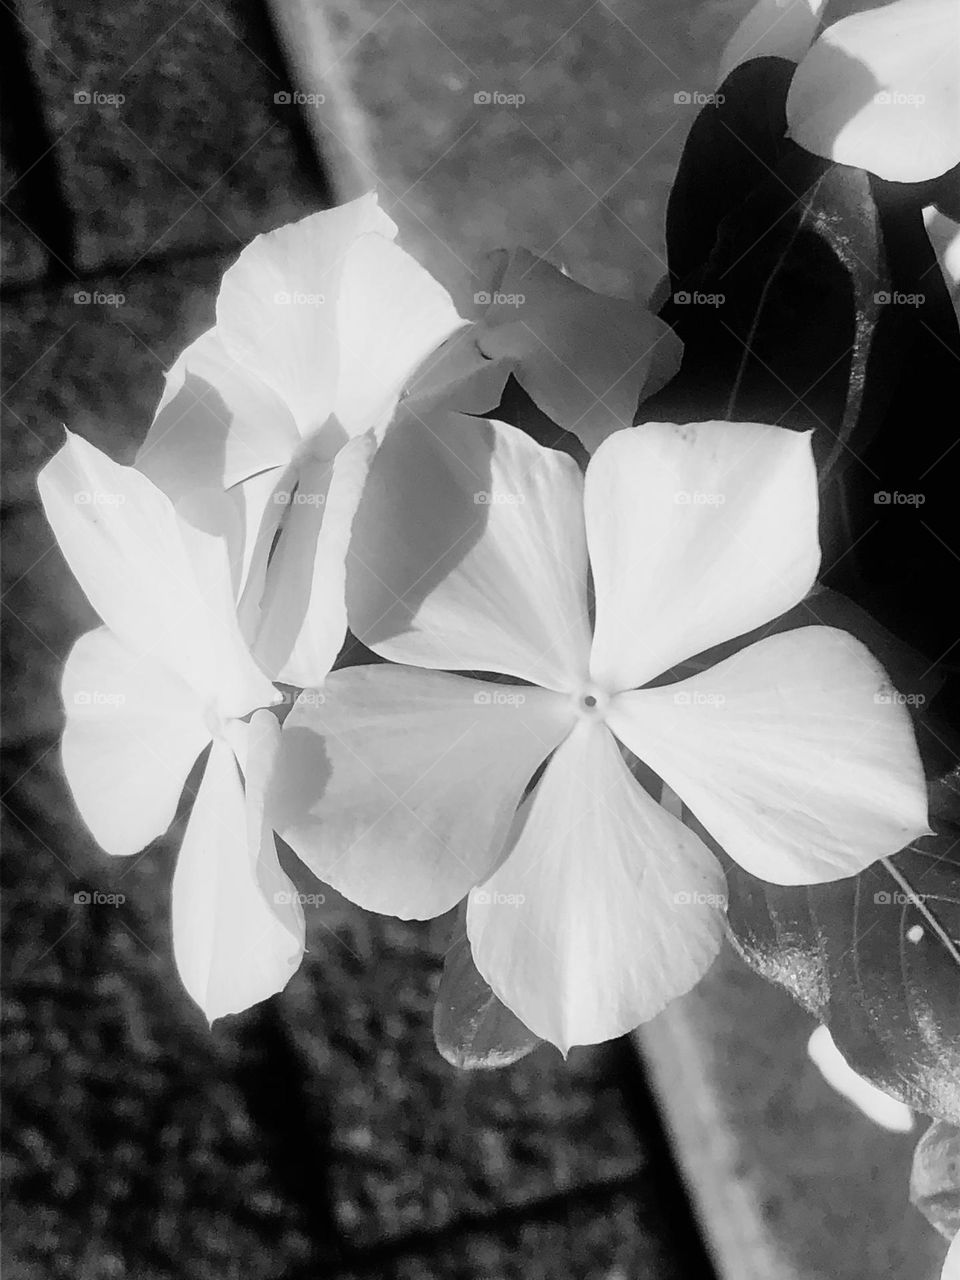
x=320, y=1134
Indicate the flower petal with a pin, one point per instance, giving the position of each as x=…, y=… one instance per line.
x=162, y=586
x=879, y=90
x=944, y=234
x=951, y=1263
x=697, y=534
x=238, y=928
x=469, y=554
x=604, y=911
x=391, y=315
x=303, y=613
x=216, y=424
x=133, y=730
x=772, y=29
x=795, y=754
x=397, y=787
x=583, y=358
x=457, y=378
x=278, y=303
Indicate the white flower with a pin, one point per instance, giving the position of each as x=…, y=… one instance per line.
x=319, y=326
x=168, y=675
x=878, y=90
x=473, y=550
x=585, y=359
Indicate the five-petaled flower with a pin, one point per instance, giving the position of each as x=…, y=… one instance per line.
x=591, y=905
x=168, y=675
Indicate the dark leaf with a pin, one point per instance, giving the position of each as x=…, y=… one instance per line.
x=779, y=322
x=897, y=556
x=807, y=295
x=733, y=145
x=471, y=1027
x=814, y=301
x=935, y=1177
x=876, y=956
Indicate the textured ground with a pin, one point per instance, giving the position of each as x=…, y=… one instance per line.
x=319, y=1134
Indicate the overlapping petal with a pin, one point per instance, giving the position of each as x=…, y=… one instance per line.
x=697, y=534
x=397, y=787
x=277, y=306
x=391, y=315
x=796, y=754
x=162, y=586
x=133, y=731
x=238, y=926
x=469, y=553
x=582, y=357
x=879, y=90
x=216, y=424
x=772, y=29
x=605, y=909
x=303, y=616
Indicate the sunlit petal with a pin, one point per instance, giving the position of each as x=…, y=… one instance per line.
x=605, y=910
x=398, y=786
x=162, y=586
x=795, y=754
x=392, y=314
x=216, y=424
x=303, y=613
x=469, y=553
x=133, y=731
x=277, y=310
x=697, y=534
x=238, y=925
x=880, y=91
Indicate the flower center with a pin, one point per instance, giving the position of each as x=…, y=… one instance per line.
x=591, y=702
